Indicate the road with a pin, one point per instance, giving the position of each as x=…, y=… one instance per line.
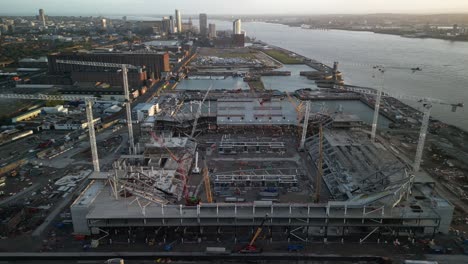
x=21, y=194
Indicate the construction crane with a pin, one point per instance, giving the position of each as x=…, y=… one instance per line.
x=318, y=181
x=251, y=248
x=174, y=157
x=195, y=122
x=291, y=100
x=305, y=125
x=207, y=183
x=89, y=100
x=427, y=105
x=189, y=200
x=124, y=69
x=375, y=119
x=301, y=113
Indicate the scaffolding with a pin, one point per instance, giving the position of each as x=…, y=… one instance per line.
x=352, y=166
x=280, y=178
x=228, y=146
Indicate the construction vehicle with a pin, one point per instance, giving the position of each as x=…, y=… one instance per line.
x=216, y=250
x=192, y=200
x=295, y=248
x=115, y=261
x=168, y=247
x=251, y=248
x=46, y=144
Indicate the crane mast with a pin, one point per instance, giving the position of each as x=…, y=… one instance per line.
x=207, y=183
x=427, y=104
x=305, y=126
x=318, y=184
x=89, y=115
x=377, y=103
x=422, y=137
x=92, y=135
x=197, y=116
x=128, y=107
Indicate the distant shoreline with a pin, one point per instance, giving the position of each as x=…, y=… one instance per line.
x=395, y=33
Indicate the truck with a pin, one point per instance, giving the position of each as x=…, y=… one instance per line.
x=420, y=262
x=295, y=248
x=216, y=250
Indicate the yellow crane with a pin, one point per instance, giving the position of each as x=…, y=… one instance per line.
x=207, y=182
x=251, y=248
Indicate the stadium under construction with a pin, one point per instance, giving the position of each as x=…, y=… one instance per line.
x=214, y=167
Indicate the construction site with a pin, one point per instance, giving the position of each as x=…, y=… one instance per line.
x=247, y=170
x=222, y=168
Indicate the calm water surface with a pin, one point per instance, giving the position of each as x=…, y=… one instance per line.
x=444, y=63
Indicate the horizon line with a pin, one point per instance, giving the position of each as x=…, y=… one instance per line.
x=240, y=14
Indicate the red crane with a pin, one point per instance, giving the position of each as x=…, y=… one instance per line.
x=189, y=200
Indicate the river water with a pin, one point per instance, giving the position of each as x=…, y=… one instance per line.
x=444, y=63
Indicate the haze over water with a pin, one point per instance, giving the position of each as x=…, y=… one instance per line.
x=444, y=63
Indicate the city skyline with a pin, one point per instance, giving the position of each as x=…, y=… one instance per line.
x=140, y=7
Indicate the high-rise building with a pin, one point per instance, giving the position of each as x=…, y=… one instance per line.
x=171, y=27
x=203, y=25
x=103, y=23
x=212, y=31
x=178, y=21
x=166, y=26
x=42, y=17
x=236, y=27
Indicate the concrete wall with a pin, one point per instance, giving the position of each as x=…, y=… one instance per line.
x=80, y=225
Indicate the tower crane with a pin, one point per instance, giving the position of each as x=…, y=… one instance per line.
x=319, y=178
x=305, y=125
x=195, y=122
x=89, y=115
x=381, y=69
x=181, y=170
x=124, y=69
x=427, y=105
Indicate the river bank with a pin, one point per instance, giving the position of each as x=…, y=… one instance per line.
x=401, y=33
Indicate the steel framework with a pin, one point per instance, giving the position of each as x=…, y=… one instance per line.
x=128, y=106
x=89, y=115
x=427, y=103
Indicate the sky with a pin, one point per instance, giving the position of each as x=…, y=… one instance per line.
x=148, y=7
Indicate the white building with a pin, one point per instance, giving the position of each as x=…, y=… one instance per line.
x=141, y=111
x=73, y=124
x=212, y=31
x=178, y=21
x=103, y=23
x=59, y=109
x=237, y=26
